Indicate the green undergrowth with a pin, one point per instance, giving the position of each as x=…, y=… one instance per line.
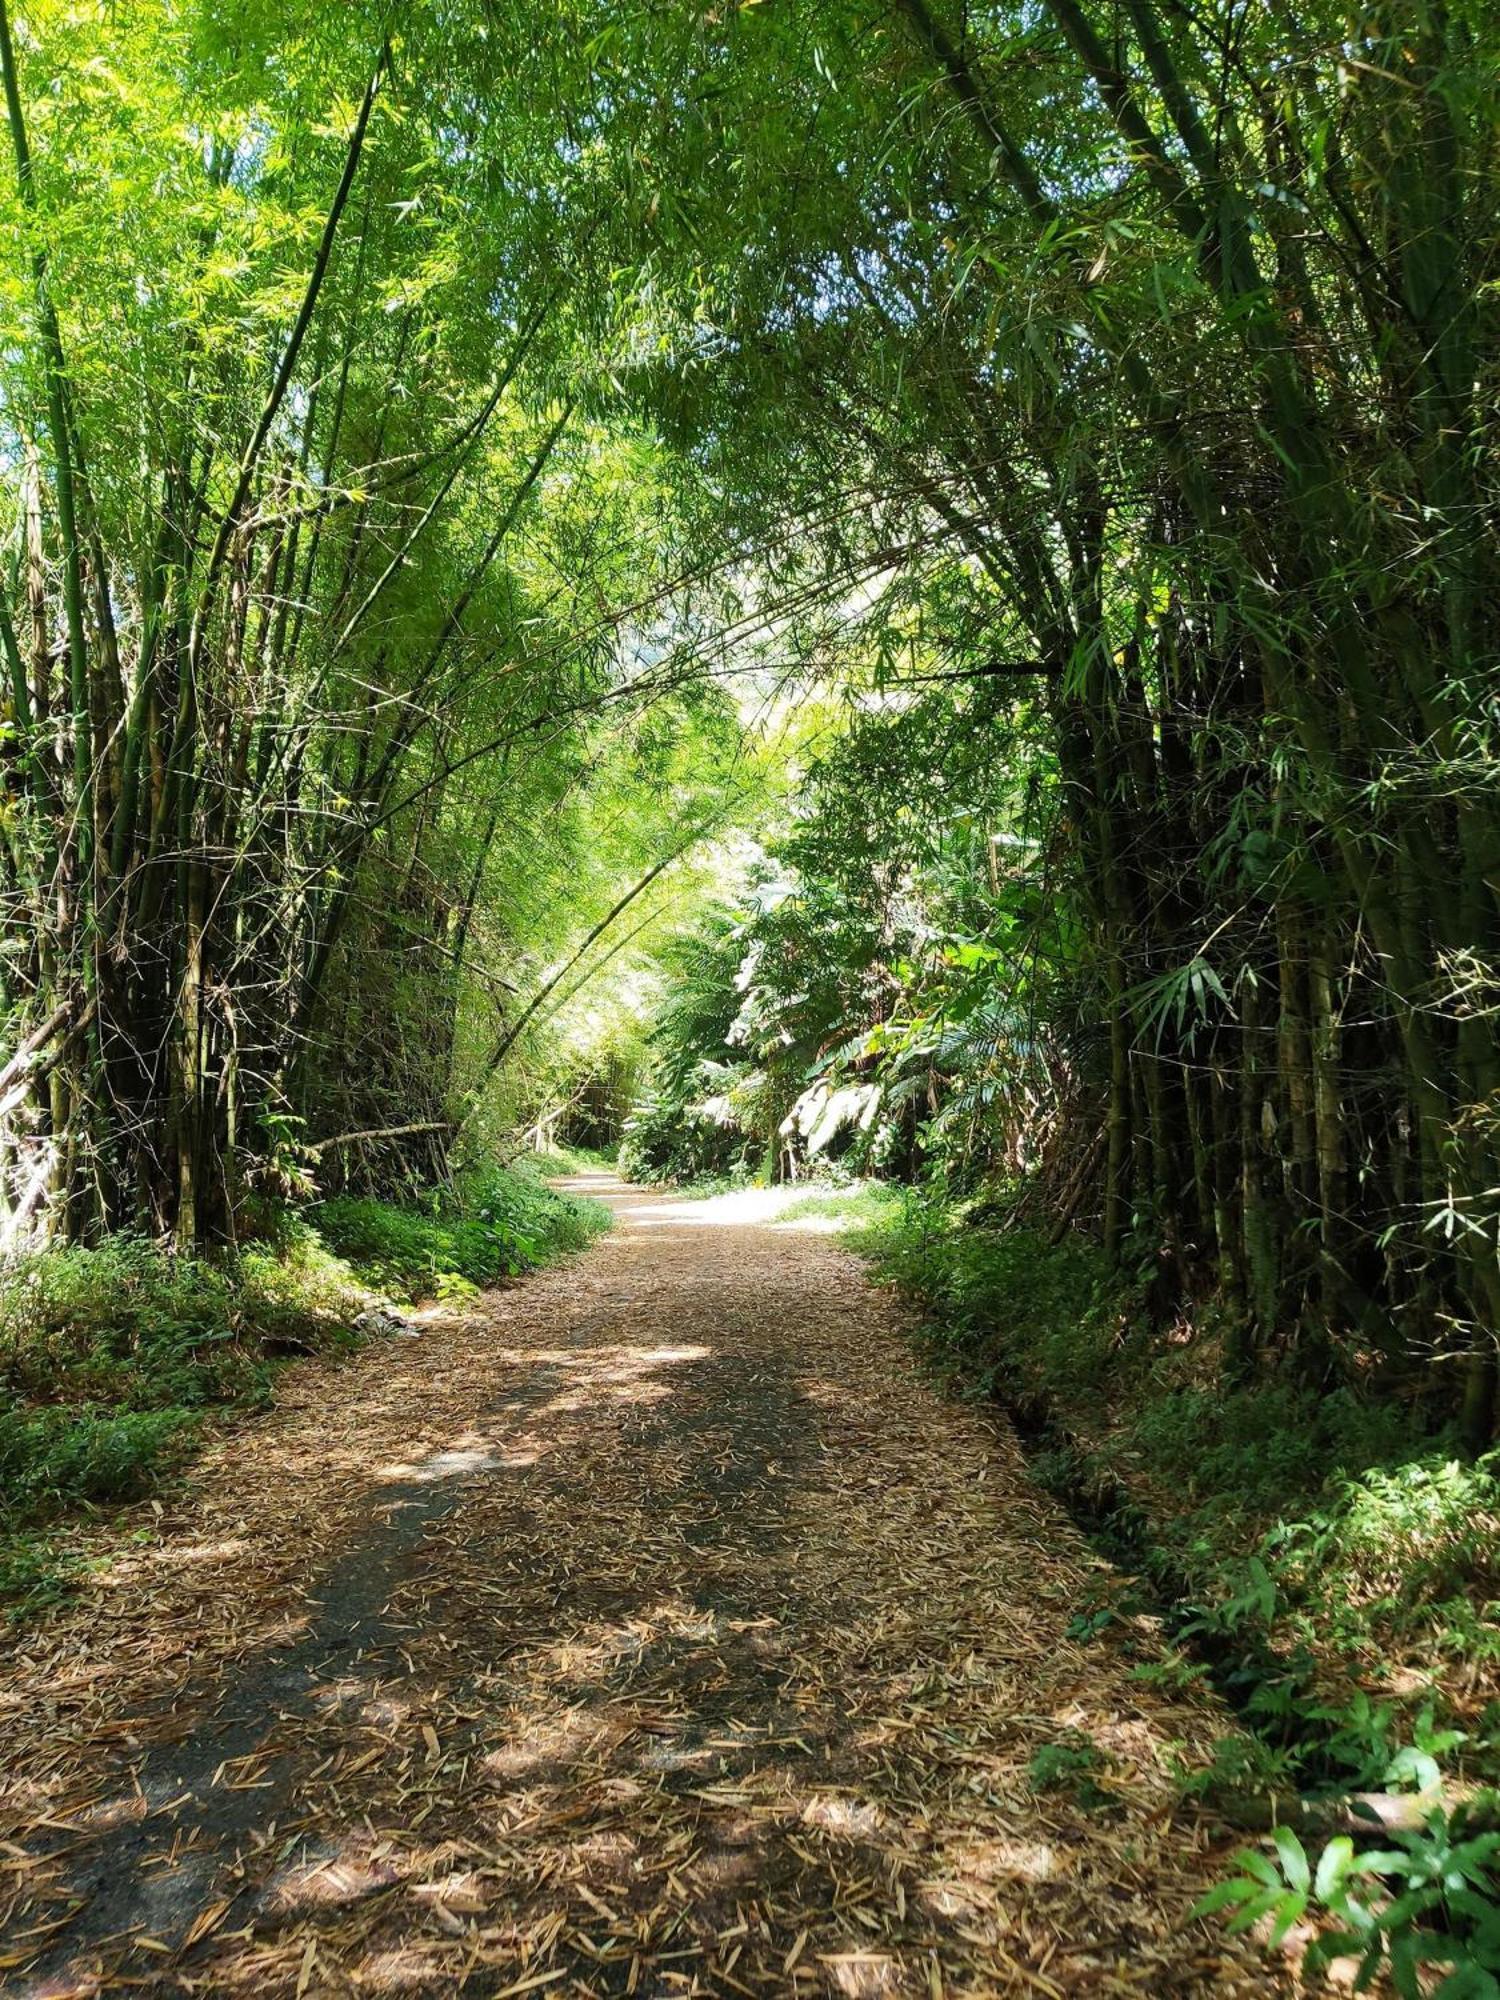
x=863, y=1205
x=491, y=1226
x=559, y=1161
x=696, y=1186
x=850, y=1202
x=113, y=1357
x=1336, y=1564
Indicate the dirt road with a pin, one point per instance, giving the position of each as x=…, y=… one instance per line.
x=650, y=1628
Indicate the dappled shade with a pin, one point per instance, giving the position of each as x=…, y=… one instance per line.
x=661, y=1633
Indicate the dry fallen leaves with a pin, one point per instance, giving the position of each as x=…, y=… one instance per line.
x=650, y=1629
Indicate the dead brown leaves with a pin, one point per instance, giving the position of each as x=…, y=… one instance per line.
x=651, y=1630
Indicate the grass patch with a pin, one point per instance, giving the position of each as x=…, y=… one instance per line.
x=559, y=1161
x=128, y=1327
x=862, y=1205
x=494, y=1225
x=111, y=1358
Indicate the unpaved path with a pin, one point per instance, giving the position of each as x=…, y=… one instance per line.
x=651, y=1628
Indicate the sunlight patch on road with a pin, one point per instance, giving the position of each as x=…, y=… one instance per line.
x=197, y=1552
x=1001, y=1858
x=338, y=1873
x=469, y=1452
x=740, y=1208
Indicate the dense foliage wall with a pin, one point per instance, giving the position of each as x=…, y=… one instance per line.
x=1159, y=349
x=320, y=740
x=423, y=451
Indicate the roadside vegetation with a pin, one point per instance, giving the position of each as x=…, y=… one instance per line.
x=858, y=587
x=1326, y=1560
x=495, y=1224
x=896, y=1012
x=1344, y=1549
x=113, y=1358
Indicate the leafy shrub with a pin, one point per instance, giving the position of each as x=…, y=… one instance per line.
x=55, y=1456
x=562, y=1158
x=297, y=1296
x=548, y=1221
x=1400, y=1543
x=704, y=1105
x=696, y=1134
x=35, y=1572
x=1240, y=1763
x=1430, y=1899
x=125, y=1323
x=853, y=1205
x=402, y=1250
x=109, y=1356
x=1310, y=1544
x=498, y=1223
x=1072, y=1764
x=1003, y=1302
x=1263, y=1447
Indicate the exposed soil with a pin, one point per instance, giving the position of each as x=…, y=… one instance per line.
x=651, y=1628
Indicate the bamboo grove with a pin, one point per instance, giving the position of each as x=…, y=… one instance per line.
x=1278, y=691
x=293, y=364
x=1170, y=335
x=1118, y=380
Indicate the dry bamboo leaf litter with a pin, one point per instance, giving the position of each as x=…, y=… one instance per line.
x=648, y=1629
